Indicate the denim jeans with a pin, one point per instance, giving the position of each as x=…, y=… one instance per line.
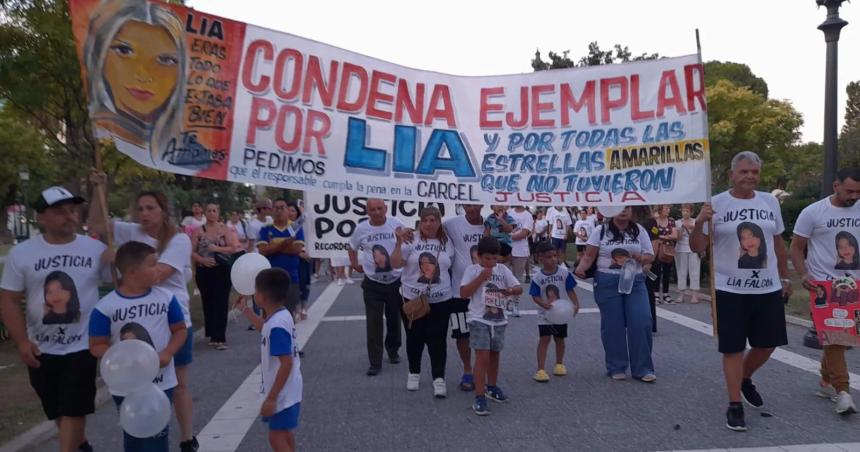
x=625, y=325
x=157, y=443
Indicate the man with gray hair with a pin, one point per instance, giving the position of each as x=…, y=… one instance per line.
x=751, y=279
x=370, y=249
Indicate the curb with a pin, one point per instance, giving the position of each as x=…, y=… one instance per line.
x=47, y=430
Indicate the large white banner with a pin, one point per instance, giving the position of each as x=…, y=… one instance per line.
x=226, y=100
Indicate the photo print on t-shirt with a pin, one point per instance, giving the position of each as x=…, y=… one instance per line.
x=134, y=330
x=494, y=303
x=753, y=246
x=552, y=293
x=62, y=305
x=381, y=259
x=619, y=258
x=429, y=268
x=473, y=253
x=820, y=296
x=847, y=253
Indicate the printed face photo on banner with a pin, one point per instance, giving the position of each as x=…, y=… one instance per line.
x=135, y=55
x=62, y=305
x=753, y=246
x=847, y=253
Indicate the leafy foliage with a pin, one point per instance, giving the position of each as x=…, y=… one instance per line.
x=594, y=57
x=737, y=73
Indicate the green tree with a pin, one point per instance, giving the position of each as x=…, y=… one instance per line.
x=594, y=57
x=737, y=73
x=849, y=137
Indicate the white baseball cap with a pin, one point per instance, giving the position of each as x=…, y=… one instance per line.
x=53, y=196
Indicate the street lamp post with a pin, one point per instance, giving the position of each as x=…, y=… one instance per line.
x=831, y=27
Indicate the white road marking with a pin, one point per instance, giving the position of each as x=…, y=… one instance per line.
x=230, y=424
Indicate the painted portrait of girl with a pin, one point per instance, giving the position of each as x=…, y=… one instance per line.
x=135, y=56
x=847, y=253
x=61, y=300
x=753, y=246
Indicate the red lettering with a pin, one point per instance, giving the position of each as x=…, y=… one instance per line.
x=446, y=112
x=569, y=102
x=607, y=104
x=314, y=79
x=668, y=80
x=260, y=106
x=524, y=108
x=415, y=110
x=317, y=127
x=286, y=112
x=538, y=106
x=486, y=107
x=378, y=96
x=349, y=71
x=262, y=85
x=693, y=92
x=631, y=196
x=280, y=71
x=635, y=113
x=590, y=196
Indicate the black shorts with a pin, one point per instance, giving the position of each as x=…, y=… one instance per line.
x=759, y=318
x=580, y=249
x=459, y=308
x=66, y=384
x=559, y=244
x=559, y=331
x=505, y=250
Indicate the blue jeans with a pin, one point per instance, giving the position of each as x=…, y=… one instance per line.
x=625, y=325
x=157, y=443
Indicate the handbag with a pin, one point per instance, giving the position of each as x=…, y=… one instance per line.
x=667, y=253
x=228, y=259
x=418, y=307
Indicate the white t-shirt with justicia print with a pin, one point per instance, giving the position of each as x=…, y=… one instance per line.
x=744, y=257
x=832, y=251
x=427, y=270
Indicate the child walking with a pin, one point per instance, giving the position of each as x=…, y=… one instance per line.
x=282, y=377
x=552, y=283
x=489, y=286
x=139, y=310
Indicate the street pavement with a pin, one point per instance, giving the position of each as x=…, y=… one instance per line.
x=345, y=410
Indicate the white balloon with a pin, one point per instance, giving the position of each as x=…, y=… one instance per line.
x=145, y=411
x=245, y=271
x=128, y=365
x=560, y=313
x=610, y=211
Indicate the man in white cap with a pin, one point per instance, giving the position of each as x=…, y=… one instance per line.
x=56, y=275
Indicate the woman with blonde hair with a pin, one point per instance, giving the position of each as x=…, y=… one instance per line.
x=135, y=57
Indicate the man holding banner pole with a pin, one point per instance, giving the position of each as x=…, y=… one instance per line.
x=370, y=250
x=823, y=234
x=751, y=279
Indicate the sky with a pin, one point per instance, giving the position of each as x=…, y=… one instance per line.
x=777, y=39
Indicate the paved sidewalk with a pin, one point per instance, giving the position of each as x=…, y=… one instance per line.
x=345, y=410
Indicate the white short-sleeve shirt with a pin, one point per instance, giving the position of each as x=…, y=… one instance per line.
x=832, y=250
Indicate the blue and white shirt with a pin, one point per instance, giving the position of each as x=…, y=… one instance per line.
x=146, y=317
x=551, y=286
x=279, y=339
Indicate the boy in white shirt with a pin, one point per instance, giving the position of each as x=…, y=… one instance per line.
x=282, y=377
x=490, y=286
x=139, y=310
x=552, y=283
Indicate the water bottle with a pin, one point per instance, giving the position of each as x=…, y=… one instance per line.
x=628, y=274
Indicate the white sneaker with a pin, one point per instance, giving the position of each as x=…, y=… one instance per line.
x=314, y=278
x=340, y=282
x=349, y=281
x=844, y=403
x=439, y=389
x=412, y=382
x=826, y=392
